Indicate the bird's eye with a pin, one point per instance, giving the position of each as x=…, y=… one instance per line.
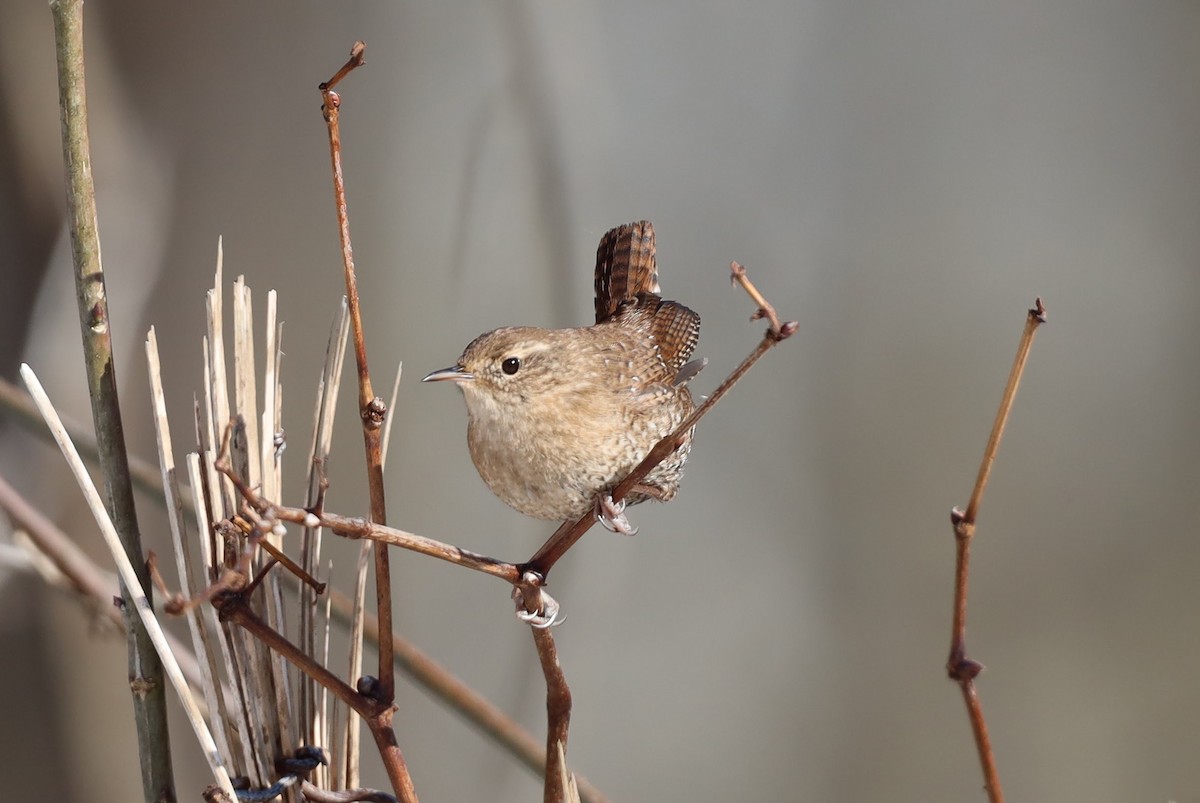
x=510, y=365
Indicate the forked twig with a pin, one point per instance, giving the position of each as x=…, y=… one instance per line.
x=961, y=669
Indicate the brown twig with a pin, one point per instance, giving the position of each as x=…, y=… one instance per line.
x=234, y=608
x=147, y=683
x=961, y=669
x=558, y=714
x=355, y=527
x=373, y=412
x=293, y=568
x=571, y=531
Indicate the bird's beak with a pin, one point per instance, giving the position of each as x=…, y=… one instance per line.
x=453, y=374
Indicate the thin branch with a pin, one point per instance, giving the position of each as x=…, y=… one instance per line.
x=354, y=527
x=1034, y=318
x=234, y=608
x=373, y=412
x=961, y=669
x=145, y=669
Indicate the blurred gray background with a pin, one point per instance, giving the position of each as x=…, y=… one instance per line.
x=902, y=178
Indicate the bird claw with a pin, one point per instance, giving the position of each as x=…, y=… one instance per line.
x=612, y=515
x=550, y=614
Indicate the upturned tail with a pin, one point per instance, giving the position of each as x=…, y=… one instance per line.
x=627, y=284
x=625, y=267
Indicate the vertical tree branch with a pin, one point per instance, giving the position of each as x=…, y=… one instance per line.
x=961, y=669
x=373, y=413
x=145, y=669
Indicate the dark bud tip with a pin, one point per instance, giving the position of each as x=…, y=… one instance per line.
x=375, y=413
x=964, y=669
x=1039, y=310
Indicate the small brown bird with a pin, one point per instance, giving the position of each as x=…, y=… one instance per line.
x=557, y=417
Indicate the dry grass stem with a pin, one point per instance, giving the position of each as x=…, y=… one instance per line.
x=130, y=578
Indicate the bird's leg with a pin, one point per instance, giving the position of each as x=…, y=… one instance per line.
x=548, y=613
x=612, y=515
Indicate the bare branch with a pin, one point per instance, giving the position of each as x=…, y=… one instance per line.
x=961, y=669
x=373, y=412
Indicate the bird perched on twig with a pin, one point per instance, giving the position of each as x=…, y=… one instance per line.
x=557, y=417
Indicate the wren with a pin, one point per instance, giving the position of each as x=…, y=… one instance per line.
x=557, y=417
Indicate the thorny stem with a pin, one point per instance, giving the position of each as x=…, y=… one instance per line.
x=959, y=667
x=145, y=668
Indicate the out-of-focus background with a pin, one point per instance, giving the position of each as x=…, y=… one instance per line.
x=902, y=178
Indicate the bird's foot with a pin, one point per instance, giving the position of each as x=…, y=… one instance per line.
x=548, y=615
x=612, y=515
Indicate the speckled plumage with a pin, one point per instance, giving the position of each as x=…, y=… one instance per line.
x=581, y=407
